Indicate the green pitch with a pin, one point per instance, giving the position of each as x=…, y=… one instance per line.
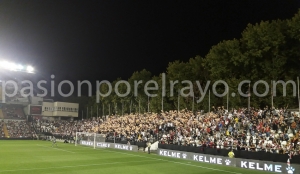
x=28, y=157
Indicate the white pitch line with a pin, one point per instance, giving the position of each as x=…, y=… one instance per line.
x=72, y=166
x=56, y=148
x=170, y=161
x=204, y=167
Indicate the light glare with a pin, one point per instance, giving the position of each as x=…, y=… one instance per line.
x=20, y=67
x=15, y=67
x=30, y=69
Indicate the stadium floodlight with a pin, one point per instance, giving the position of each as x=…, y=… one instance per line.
x=30, y=69
x=3, y=64
x=9, y=65
x=20, y=67
x=16, y=67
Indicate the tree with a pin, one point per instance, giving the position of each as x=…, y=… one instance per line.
x=138, y=81
x=261, y=54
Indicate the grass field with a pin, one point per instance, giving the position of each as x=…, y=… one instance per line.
x=39, y=157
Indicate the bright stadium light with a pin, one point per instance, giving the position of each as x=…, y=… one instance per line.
x=20, y=67
x=2, y=64
x=30, y=69
x=15, y=67
x=6, y=65
x=9, y=66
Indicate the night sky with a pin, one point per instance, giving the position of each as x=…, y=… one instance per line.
x=104, y=40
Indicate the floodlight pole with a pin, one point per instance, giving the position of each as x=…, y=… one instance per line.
x=209, y=101
x=97, y=111
x=148, y=103
x=109, y=109
x=227, y=98
x=249, y=94
x=298, y=96
x=272, y=99
x=116, y=108
x=193, y=102
x=102, y=109
x=162, y=103
x=122, y=107
x=130, y=106
x=178, y=100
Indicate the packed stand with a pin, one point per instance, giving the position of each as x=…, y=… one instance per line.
x=13, y=112
x=63, y=128
x=270, y=130
x=19, y=129
x=2, y=135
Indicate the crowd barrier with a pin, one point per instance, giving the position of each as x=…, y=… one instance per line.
x=260, y=155
x=251, y=164
x=126, y=147
x=139, y=144
x=17, y=138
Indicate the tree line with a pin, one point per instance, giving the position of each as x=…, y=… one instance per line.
x=269, y=50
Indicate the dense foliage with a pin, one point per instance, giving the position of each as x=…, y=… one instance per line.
x=269, y=50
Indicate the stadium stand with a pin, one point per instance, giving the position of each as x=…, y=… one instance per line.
x=1, y=130
x=5, y=131
x=1, y=114
x=18, y=129
x=267, y=134
x=13, y=112
x=275, y=131
x=63, y=127
x=260, y=130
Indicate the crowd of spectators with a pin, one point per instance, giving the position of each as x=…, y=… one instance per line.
x=64, y=127
x=13, y=112
x=270, y=130
x=19, y=129
x=2, y=135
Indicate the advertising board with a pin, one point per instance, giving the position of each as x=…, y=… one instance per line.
x=236, y=162
x=110, y=145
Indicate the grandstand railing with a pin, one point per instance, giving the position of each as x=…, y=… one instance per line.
x=28, y=138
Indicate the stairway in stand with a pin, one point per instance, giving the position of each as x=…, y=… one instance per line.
x=5, y=130
x=4, y=125
x=1, y=114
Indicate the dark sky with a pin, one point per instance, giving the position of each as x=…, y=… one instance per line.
x=106, y=39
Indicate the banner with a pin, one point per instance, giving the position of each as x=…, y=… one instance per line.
x=235, y=162
x=197, y=157
x=110, y=145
